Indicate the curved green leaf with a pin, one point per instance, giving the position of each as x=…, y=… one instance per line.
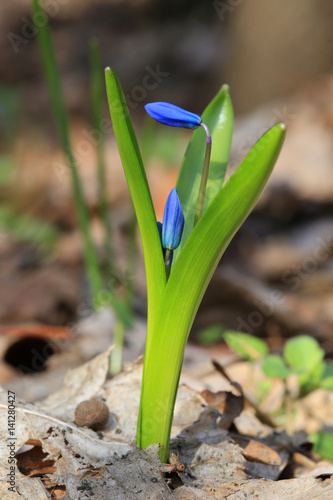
x=218, y=116
x=303, y=353
x=189, y=279
x=140, y=193
x=274, y=366
x=247, y=346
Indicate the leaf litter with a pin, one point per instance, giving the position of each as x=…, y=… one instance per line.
x=209, y=457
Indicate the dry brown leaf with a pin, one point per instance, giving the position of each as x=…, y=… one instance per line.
x=80, y=462
x=36, y=330
x=229, y=405
x=255, y=451
x=33, y=462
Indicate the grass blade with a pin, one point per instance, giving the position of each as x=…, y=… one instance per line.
x=97, y=95
x=59, y=111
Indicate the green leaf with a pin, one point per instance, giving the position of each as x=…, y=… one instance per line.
x=323, y=444
x=303, y=353
x=218, y=116
x=247, y=346
x=326, y=381
x=188, y=281
x=327, y=370
x=140, y=193
x=210, y=335
x=274, y=366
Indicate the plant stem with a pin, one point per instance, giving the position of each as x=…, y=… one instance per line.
x=288, y=403
x=97, y=88
x=59, y=111
x=117, y=353
x=204, y=177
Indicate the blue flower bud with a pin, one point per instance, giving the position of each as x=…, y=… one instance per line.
x=173, y=222
x=172, y=115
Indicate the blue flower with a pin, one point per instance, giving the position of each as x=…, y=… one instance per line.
x=172, y=115
x=173, y=222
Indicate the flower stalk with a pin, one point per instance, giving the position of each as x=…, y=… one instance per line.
x=204, y=177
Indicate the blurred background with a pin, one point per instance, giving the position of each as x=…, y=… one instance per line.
x=276, y=279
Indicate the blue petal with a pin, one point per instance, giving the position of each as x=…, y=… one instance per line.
x=173, y=222
x=172, y=115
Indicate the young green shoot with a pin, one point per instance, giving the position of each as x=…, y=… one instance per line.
x=97, y=99
x=174, y=300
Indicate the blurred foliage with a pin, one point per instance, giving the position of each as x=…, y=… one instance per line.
x=22, y=227
x=165, y=145
x=210, y=335
x=10, y=111
x=323, y=444
x=247, y=346
x=304, y=358
x=6, y=169
x=28, y=229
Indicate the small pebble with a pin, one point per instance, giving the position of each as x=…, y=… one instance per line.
x=92, y=413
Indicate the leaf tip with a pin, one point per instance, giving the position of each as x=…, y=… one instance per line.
x=225, y=88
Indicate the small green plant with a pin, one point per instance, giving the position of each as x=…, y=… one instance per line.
x=177, y=276
x=303, y=359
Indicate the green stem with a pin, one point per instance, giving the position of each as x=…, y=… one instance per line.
x=288, y=404
x=97, y=92
x=204, y=177
x=90, y=255
x=117, y=352
x=61, y=118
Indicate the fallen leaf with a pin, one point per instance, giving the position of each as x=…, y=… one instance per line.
x=33, y=462
x=229, y=405
x=36, y=330
x=255, y=451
